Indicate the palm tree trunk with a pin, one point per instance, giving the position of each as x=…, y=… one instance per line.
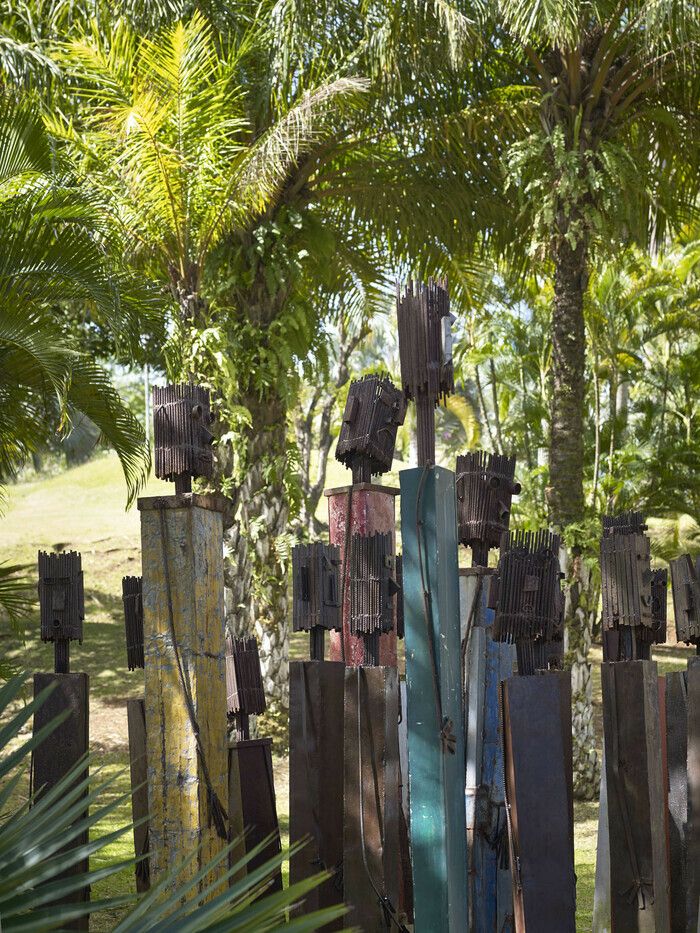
x=565, y=496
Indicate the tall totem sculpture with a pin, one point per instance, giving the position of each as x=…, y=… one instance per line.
x=184, y=648
x=435, y=725
x=683, y=750
x=485, y=487
x=62, y=609
x=634, y=827
x=537, y=745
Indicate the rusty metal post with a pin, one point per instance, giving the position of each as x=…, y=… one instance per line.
x=364, y=509
x=693, y=833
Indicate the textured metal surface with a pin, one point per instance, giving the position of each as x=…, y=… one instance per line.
x=371, y=842
x=363, y=510
x=487, y=663
x=59, y=752
x=244, y=686
x=133, y=621
x=251, y=762
x=372, y=584
x=539, y=789
x=373, y=411
x=527, y=591
x=316, y=587
x=601, y=895
x=637, y=798
x=626, y=580
x=316, y=703
x=425, y=350
x=659, y=605
x=182, y=439
x=485, y=487
x=434, y=700
x=136, y=720
x=685, y=581
x=677, y=756
x=693, y=833
x=61, y=599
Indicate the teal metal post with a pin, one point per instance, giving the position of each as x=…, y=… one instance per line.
x=436, y=761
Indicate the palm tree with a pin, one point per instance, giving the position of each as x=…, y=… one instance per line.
x=55, y=250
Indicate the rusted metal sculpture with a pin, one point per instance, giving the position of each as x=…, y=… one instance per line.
x=372, y=590
x=132, y=599
x=485, y=487
x=528, y=600
x=245, y=696
x=251, y=781
x=62, y=603
x=425, y=349
x=181, y=419
x=317, y=606
x=629, y=624
x=685, y=581
x=374, y=410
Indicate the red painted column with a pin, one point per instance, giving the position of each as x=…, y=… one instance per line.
x=368, y=509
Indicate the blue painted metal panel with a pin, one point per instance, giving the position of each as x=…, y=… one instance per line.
x=436, y=776
x=488, y=663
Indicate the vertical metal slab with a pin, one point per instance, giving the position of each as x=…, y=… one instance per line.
x=538, y=767
x=316, y=702
x=601, y=894
x=371, y=806
x=251, y=759
x=405, y=874
x=693, y=833
x=487, y=664
x=677, y=757
x=136, y=721
x=637, y=800
x=436, y=768
x=62, y=750
x=182, y=547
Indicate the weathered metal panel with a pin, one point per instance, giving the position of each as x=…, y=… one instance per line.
x=63, y=749
x=182, y=546
x=601, y=895
x=371, y=844
x=637, y=797
x=252, y=760
x=136, y=721
x=536, y=714
x=373, y=411
x=364, y=509
x=693, y=833
x=487, y=664
x=434, y=699
x=316, y=703
x=677, y=756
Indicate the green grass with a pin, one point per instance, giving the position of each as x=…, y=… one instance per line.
x=83, y=508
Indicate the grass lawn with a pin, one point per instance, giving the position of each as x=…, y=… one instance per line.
x=83, y=509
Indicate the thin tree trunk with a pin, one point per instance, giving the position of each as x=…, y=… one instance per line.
x=613, y=433
x=596, y=458
x=565, y=496
x=482, y=403
x=496, y=413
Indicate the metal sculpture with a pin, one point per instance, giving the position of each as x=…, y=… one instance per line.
x=181, y=419
x=62, y=603
x=372, y=590
x=425, y=350
x=485, y=487
x=317, y=606
x=132, y=599
x=374, y=410
x=685, y=583
x=245, y=696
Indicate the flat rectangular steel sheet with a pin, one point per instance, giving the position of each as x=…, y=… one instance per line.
x=371, y=842
x=677, y=757
x=252, y=760
x=316, y=703
x=637, y=799
x=693, y=833
x=536, y=714
x=601, y=894
x=136, y=721
x=62, y=750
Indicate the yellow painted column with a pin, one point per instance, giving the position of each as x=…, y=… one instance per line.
x=185, y=682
